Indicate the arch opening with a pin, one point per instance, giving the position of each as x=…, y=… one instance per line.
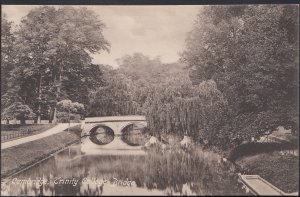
x=133, y=134
x=101, y=135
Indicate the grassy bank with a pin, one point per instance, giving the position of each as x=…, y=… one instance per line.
x=75, y=129
x=264, y=159
x=18, y=157
x=280, y=170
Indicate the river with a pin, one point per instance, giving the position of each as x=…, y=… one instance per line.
x=175, y=172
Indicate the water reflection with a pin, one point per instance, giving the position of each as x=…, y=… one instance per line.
x=175, y=172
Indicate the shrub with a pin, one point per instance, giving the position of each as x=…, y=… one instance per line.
x=253, y=148
x=63, y=117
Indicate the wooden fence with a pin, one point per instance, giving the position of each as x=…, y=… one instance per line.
x=26, y=122
x=13, y=134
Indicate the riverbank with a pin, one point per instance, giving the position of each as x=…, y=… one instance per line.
x=16, y=158
x=282, y=170
x=272, y=161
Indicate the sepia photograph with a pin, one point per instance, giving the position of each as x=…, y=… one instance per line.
x=172, y=100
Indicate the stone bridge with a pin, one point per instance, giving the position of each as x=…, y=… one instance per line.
x=117, y=124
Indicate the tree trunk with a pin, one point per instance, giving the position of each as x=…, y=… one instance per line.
x=54, y=119
x=57, y=97
x=51, y=115
x=39, y=100
x=69, y=119
x=22, y=121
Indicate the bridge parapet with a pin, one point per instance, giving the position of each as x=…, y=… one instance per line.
x=114, y=119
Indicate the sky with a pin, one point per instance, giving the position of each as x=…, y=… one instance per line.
x=151, y=30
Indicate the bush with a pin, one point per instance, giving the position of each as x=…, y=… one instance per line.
x=253, y=148
x=63, y=117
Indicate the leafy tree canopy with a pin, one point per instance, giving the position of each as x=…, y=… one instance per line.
x=18, y=111
x=251, y=52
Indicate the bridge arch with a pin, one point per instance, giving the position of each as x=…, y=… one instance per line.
x=101, y=134
x=95, y=126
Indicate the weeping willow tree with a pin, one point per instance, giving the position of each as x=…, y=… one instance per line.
x=178, y=107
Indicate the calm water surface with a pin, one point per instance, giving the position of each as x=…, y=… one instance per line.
x=71, y=172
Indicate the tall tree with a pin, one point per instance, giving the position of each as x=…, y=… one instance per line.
x=56, y=43
x=139, y=66
x=251, y=52
x=7, y=59
x=115, y=97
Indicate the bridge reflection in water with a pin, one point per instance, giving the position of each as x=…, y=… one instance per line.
x=72, y=173
x=107, y=135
